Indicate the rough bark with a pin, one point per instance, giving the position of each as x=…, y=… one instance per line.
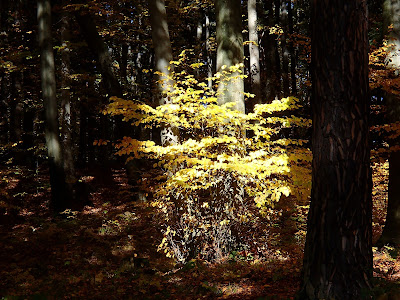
x=338, y=252
x=54, y=149
x=230, y=51
x=391, y=231
x=254, y=52
x=163, y=56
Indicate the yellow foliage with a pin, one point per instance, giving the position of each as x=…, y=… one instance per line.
x=215, y=174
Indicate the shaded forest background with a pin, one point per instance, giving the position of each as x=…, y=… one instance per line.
x=165, y=191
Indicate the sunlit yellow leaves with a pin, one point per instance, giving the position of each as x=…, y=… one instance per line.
x=276, y=30
x=277, y=105
x=211, y=178
x=224, y=222
x=245, y=43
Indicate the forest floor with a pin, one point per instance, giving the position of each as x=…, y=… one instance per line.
x=109, y=250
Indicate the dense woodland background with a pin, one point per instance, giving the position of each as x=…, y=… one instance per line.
x=163, y=149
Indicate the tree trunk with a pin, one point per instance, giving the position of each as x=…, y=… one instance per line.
x=254, y=53
x=230, y=51
x=277, y=55
x=285, y=49
x=124, y=63
x=391, y=231
x=271, y=69
x=208, y=50
x=100, y=49
x=83, y=140
x=17, y=107
x=54, y=149
x=292, y=51
x=163, y=56
x=66, y=124
x=338, y=250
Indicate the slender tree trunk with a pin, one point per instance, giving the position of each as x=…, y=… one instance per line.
x=54, y=149
x=271, y=69
x=163, y=56
x=285, y=49
x=254, y=52
x=4, y=123
x=28, y=136
x=292, y=50
x=124, y=63
x=198, y=48
x=100, y=49
x=277, y=7
x=4, y=119
x=66, y=109
x=391, y=231
x=17, y=108
x=208, y=50
x=83, y=140
x=338, y=250
x=230, y=51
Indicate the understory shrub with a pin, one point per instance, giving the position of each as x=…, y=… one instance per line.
x=228, y=170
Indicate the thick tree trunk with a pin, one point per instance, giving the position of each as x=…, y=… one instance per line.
x=100, y=49
x=391, y=231
x=163, y=56
x=254, y=53
x=54, y=149
x=230, y=51
x=338, y=250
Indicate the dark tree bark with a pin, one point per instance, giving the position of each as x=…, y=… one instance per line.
x=17, y=108
x=66, y=104
x=100, y=49
x=285, y=49
x=270, y=71
x=292, y=51
x=391, y=231
x=54, y=149
x=338, y=250
x=83, y=139
x=124, y=63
